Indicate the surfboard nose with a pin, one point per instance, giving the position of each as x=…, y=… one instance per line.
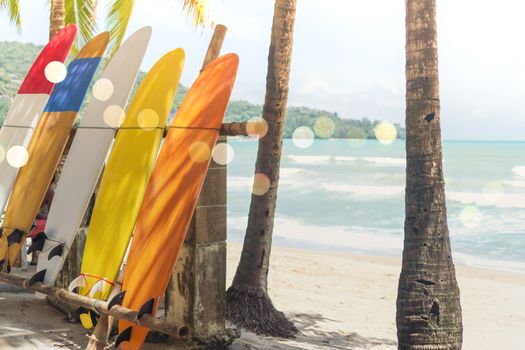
x=95, y=47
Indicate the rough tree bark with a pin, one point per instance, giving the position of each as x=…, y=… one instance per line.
x=56, y=16
x=248, y=303
x=428, y=303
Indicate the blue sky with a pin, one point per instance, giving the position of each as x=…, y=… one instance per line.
x=349, y=56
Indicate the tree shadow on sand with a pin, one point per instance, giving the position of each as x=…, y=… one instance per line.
x=312, y=336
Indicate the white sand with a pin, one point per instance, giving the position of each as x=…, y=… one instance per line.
x=338, y=301
x=345, y=301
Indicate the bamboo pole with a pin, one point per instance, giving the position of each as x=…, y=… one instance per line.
x=214, y=50
x=99, y=306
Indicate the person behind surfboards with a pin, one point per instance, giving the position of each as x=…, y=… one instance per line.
x=41, y=218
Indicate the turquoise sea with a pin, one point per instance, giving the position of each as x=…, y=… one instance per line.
x=349, y=196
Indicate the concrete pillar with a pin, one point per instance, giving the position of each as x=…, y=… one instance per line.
x=197, y=292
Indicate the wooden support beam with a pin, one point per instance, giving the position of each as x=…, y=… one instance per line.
x=234, y=129
x=99, y=306
x=227, y=129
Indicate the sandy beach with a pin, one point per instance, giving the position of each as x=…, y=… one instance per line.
x=337, y=300
x=345, y=301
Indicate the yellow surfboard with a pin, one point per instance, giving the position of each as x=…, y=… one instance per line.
x=125, y=178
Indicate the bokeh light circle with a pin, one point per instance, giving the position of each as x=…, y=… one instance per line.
x=386, y=133
x=324, y=127
x=223, y=153
x=17, y=156
x=257, y=127
x=114, y=116
x=103, y=89
x=260, y=184
x=303, y=137
x=470, y=217
x=55, y=72
x=148, y=119
x=199, y=152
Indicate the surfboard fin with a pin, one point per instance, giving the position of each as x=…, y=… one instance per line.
x=3, y=264
x=15, y=237
x=56, y=251
x=117, y=300
x=37, y=277
x=76, y=283
x=124, y=336
x=38, y=243
x=97, y=288
x=146, y=308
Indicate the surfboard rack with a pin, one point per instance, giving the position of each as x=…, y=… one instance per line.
x=100, y=307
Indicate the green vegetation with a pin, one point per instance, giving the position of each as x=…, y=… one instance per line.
x=16, y=58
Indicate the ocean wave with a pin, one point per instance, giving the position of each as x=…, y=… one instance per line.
x=350, y=238
x=499, y=200
x=365, y=191
x=309, y=159
x=516, y=183
x=288, y=182
x=385, y=160
x=288, y=172
x=519, y=170
x=357, y=239
x=344, y=159
x=500, y=265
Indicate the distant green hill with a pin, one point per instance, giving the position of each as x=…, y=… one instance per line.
x=16, y=58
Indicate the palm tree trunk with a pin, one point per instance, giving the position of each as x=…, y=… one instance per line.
x=56, y=17
x=248, y=303
x=428, y=303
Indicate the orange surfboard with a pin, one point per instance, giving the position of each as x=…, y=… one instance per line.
x=172, y=193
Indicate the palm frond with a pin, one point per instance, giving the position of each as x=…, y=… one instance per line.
x=117, y=20
x=13, y=12
x=198, y=11
x=83, y=14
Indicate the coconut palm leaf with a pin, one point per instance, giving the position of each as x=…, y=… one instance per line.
x=119, y=14
x=198, y=11
x=12, y=8
x=83, y=14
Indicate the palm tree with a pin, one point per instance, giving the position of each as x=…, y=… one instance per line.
x=428, y=305
x=248, y=303
x=57, y=14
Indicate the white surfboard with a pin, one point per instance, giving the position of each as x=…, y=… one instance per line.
x=27, y=108
x=87, y=155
